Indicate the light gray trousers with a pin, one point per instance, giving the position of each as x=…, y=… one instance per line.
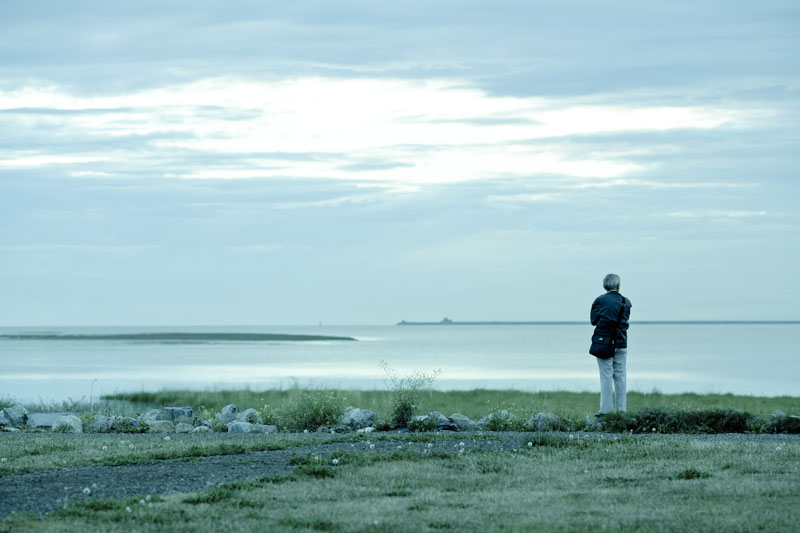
x=612, y=379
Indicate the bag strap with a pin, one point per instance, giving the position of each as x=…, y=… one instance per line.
x=621, y=313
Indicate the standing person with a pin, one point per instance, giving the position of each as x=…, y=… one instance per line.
x=610, y=314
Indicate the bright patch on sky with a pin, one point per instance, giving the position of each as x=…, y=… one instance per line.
x=397, y=131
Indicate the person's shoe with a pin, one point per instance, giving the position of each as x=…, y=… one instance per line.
x=600, y=416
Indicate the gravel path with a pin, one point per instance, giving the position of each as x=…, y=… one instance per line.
x=42, y=492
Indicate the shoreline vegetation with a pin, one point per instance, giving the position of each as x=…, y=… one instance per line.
x=417, y=477
x=180, y=337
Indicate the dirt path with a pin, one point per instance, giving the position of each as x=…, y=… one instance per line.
x=43, y=492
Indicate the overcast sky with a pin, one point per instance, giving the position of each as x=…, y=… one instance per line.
x=200, y=162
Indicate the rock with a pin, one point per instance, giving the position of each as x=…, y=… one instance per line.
x=323, y=429
x=544, y=422
x=240, y=427
x=777, y=415
x=183, y=427
x=500, y=420
x=15, y=416
x=125, y=424
x=593, y=424
x=161, y=426
x=202, y=429
x=227, y=415
x=9, y=429
x=358, y=418
x=178, y=414
x=265, y=428
x=250, y=415
x=44, y=420
x=100, y=424
x=446, y=426
x=68, y=424
x=150, y=416
x=370, y=429
x=438, y=418
x=341, y=428
x=463, y=423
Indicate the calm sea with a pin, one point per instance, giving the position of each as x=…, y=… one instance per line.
x=757, y=359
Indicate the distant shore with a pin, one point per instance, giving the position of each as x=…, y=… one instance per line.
x=448, y=322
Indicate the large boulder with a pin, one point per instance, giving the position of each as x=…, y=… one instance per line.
x=358, y=418
x=226, y=415
x=250, y=415
x=544, y=422
x=150, y=416
x=202, y=429
x=15, y=416
x=183, y=427
x=44, y=420
x=247, y=427
x=178, y=414
x=777, y=415
x=438, y=418
x=68, y=424
x=462, y=422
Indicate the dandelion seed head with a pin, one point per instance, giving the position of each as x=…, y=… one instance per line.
x=530, y=444
x=131, y=446
x=400, y=447
x=778, y=449
x=128, y=510
x=148, y=498
x=461, y=444
x=3, y=459
x=654, y=430
x=430, y=445
x=461, y=452
x=167, y=438
x=572, y=436
x=371, y=446
x=316, y=457
x=305, y=431
x=105, y=448
x=87, y=490
x=335, y=461
x=141, y=502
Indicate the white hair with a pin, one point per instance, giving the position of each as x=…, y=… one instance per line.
x=611, y=282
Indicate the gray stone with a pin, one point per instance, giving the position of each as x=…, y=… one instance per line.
x=323, y=429
x=265, y=428
x=44, y=420
x=358, y=418
x=366, y=430
x=183, y=427
x=227, y=415
x=100, y=424
x=178, y=414
x=9, y=429
x=777, y=415
x=250, y=415
x=68, y=424
x=593, y=424
x=438, y=418
x=125, y=424
x=497, y=420
x=161, y=426
x=15, y=416
x=241, y=427
x=202, y=429
x=462, y=422
x=544, y=422
x=150, y=416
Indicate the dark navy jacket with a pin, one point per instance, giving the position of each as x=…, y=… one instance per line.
x=605, y=314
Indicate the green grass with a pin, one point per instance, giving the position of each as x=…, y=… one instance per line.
x=31, y=452
x=559, y=484
x=474, y=403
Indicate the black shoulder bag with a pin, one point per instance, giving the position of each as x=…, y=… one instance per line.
x=604, y=344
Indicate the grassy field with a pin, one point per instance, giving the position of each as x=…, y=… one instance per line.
x=474, y=403
x=555, y=484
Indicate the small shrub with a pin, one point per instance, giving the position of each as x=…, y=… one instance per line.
x=217, y=494
x=406, y=392
x=269, y=415
x=311, y=409
x=317, y=470
x=786, y=424
x=692, y=473
x=667, y=421
x=420, y=425
x=504, y=421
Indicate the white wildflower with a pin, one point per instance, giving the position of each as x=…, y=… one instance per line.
x=778, y=449
x=87, y=491
x=167, y=438
x=400, y=447
x=105, y=448
x=371, y=446
x=305, y=431
x=335, y=461
x=316, y=457
x=430, y=445
x=654, y=430
x=461, y=444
